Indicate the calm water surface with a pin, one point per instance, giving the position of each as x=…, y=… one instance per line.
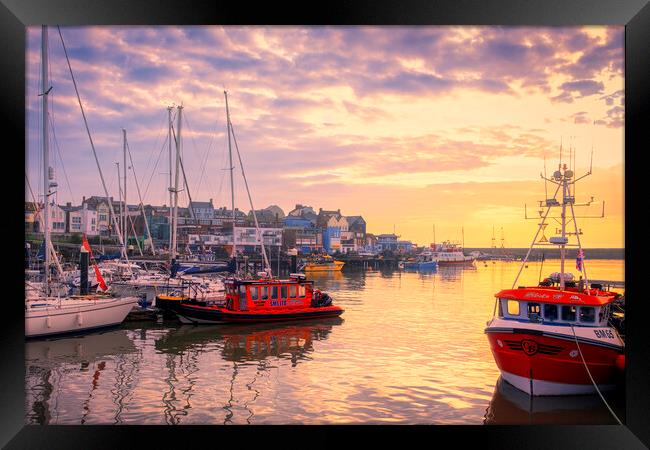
x=409, y=349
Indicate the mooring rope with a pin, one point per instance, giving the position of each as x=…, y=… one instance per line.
x=592, y=378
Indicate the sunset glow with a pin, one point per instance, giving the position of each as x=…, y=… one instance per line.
x=409, y=127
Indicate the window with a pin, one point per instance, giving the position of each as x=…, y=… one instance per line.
x=253, y=290
x=569, y=313
x=301, y=290
x=274, y=292
x=264, y=293
x=587, y=314
x=283, y=292
x=534, y=311
x=92, y=221
x=550, y=312
x=513, y=307
x=102, y=217
x=293, y=290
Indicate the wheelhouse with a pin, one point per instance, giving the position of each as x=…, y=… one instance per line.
x=554, y=307
x=246, y=295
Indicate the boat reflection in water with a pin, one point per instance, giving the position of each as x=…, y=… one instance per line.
x=52, y=363
x=255, y=352
x=252, y=342
x=510, y=406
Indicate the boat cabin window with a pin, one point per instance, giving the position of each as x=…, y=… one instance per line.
x=264, y=293
x=550, y=312
x=274, y=292
x=569, y=313
x=242, y=291
x=301, y=290
x=587, y=314
x=293, y=291
x=283, y=292
x=512, y=306
x=254, y=294
x=534, y=311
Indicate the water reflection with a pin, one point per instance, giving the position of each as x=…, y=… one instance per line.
x=255, y=342
x=240, y=345
x=510, y=406
x=49, y=362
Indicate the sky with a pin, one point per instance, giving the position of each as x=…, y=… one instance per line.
x=412, y=127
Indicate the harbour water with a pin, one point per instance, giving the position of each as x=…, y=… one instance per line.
x=409, y=349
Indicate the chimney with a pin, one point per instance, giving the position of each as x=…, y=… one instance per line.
x=210, y=201
x=84, y=199
x=68, y=204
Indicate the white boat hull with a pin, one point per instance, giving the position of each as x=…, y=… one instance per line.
x=74, y=315
x=541, y=387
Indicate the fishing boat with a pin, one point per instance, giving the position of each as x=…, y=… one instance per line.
x=555, y=338
x=322, y=263
x=262, y=300
x=450, y=254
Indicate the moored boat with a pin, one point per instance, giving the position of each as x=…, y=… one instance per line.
x=262, y=300
x=424, y=261
x=555, y=338
x=324, y=263
x=450, y=254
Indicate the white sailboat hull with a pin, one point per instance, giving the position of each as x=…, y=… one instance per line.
x=47, y=317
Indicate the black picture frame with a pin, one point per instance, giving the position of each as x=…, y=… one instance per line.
x=15, y=15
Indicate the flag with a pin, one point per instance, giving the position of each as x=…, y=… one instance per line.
x=579, y=260
x=98, y=274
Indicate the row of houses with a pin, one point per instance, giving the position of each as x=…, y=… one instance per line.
x=201, y=226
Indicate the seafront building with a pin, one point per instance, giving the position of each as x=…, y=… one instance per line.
x=203, y=227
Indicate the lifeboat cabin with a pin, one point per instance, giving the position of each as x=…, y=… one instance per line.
x=262, y=300
x=547, y=341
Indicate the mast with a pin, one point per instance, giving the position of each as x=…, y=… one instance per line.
x=565, y=182
x=46, y=156
x=178, y=162
x=119, y=232
x=232, y=183
x=169, y=139
x=126, y=208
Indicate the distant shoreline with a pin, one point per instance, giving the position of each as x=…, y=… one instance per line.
x=553, y=253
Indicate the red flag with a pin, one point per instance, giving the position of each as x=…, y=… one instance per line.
x=98, y=274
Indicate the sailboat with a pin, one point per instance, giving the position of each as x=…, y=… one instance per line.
x=263, y=298
x=153, y=287
x=556, y=338
x=45, y=314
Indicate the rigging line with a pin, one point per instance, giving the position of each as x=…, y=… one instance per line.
x=203, y=160
x=194, y=147
x=154, y=168
x=575, y=338
x=153, y=149
x=257, y=226
x=58, y=151
x=137, y=185
x=92, y=145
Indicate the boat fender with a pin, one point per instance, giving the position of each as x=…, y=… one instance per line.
x=620, y=362
x=48, y=322
x=80, y=319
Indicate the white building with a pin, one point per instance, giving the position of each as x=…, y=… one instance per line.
x=56, y=223
x=81, y=219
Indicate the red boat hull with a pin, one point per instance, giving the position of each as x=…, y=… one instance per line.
x=543, y=365
x=209, y=314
